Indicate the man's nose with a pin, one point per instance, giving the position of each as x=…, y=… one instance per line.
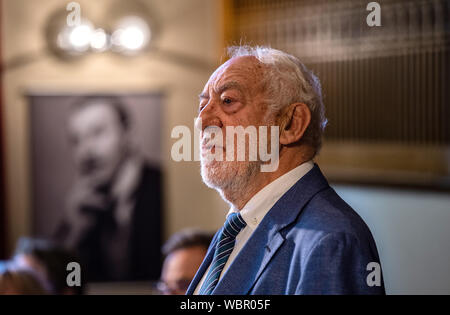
x=209, y=116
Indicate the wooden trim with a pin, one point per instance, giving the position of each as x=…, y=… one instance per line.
x=226, y=26
x=386, y=164
x=2, y=161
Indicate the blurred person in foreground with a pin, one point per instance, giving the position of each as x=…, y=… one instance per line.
x=287, y=231
x=49, y=261
x=183, y=254
x=113, y=216
x=15, y=281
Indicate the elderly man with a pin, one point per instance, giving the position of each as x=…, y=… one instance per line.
x=287, y=231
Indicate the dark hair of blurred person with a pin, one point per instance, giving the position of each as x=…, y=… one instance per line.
x=20, y=282
x=183, y=253
x=50, y=261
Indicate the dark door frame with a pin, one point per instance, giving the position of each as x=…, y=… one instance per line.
x=2, y=161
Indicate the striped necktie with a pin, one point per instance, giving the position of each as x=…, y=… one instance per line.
x=234, y=224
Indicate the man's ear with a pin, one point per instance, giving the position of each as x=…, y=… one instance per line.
x=294, y=123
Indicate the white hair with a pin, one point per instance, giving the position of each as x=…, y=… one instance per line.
x=288, y=81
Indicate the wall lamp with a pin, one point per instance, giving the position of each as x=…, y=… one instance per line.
x=130, y=35
x=126, y=28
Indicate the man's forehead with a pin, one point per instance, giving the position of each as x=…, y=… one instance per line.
x=238, y=69
x=89, y=114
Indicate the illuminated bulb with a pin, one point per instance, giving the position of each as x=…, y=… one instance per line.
x=132, y=34
x=99, y=40
x=80, y=37
x=132, y=38
x=76, y=40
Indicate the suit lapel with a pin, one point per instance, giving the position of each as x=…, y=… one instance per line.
x=249, y=264
x=266, y=240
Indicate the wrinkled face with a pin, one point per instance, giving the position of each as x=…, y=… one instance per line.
x=233, y=96
x=99, y=142
x=180, y=268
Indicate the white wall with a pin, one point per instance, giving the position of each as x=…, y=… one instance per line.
x=411, y=229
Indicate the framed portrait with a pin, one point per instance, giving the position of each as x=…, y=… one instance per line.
x=97, y=180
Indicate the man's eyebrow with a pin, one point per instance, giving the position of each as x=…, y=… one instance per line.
x=221, y=89
x=203, y=95
x=228, y=86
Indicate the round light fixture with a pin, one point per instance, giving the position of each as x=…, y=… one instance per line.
x=129, y=35
x=76, y=39
x=99, y=40
x=132, y=34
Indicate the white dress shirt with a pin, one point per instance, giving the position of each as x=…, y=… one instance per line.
x=257, y=207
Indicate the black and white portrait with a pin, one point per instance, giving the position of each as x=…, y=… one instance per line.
x=97, y=181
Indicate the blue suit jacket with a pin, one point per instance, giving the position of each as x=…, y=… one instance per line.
x=310, y=242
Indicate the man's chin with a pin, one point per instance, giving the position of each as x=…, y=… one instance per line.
x=98, y=180
x=213, y=175
x=222, y=175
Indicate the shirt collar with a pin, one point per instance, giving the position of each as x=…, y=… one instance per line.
x=258, y=206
